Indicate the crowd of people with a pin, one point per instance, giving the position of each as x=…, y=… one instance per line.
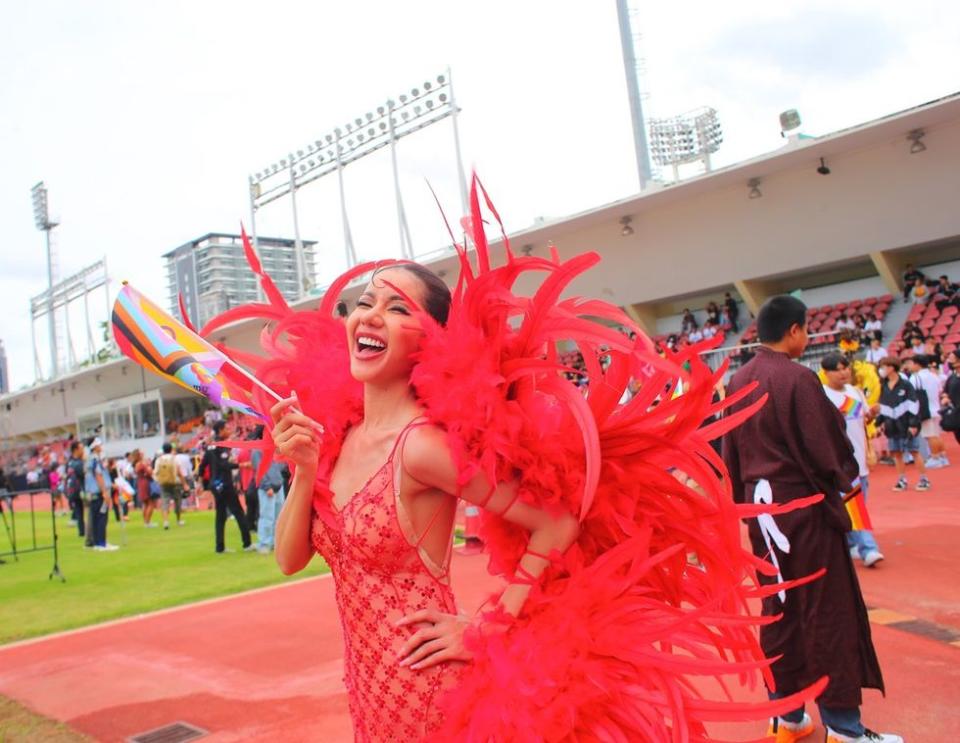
x=86, y=486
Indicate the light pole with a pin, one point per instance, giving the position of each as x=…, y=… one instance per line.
x=421, y=106
x=633, y=93
x=41, y=217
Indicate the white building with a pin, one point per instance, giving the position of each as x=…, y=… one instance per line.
x=212, y=274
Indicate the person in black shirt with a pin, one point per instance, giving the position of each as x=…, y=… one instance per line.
x=221, y=467
x=73, y=487
x=733, y=311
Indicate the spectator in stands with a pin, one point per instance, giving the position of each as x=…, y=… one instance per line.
x=932, y=348
x=849, y=344
x=910, y=329
x=97, y=483
x=915, y=346
x=857, y=413
x=945, y=293
x=695, y=336
x=873, y=328
x=920, y=294
x=689, y=322
x=732, y=311
x=876, y=352
x=900, y=420
x=910, y=278
x=845, y=322
x=74, y=482
x=927, y=385
x=745, y=353
x=710, y=329
x=713, y=314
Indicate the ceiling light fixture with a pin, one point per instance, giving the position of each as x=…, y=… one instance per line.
x=823, y=169
x=754, y=185
x=915, y=137
x=626, y=230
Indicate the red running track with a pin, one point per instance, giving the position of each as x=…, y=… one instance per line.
x=266, y=665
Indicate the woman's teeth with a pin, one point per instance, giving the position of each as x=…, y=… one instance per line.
x=366, y=343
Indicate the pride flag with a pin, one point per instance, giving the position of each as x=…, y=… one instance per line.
x=851, y=407
x=148, y=335
x=857, y=508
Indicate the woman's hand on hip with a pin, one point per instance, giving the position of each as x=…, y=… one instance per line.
x=438, y=640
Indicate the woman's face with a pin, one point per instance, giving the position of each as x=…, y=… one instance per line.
x=382, y=332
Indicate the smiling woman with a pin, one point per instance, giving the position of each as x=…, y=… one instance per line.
x=421, y=397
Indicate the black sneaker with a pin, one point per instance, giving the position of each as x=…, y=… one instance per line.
x=901, y=485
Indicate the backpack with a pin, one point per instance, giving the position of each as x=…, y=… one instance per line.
x=166, y=472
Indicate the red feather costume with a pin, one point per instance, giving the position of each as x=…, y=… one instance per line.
x=611, y=635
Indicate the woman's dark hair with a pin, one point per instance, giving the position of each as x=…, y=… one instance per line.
x=436, y=294
x=778, y=315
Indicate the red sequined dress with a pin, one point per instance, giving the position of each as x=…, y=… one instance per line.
x=382, y=574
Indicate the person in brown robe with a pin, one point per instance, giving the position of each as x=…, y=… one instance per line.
x=794, y=447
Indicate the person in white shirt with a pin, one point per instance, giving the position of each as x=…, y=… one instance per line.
x=923, y=379
x=845, y=323
x=696, y=335
x=185, y=466
x=876, y=352
x=852, y=404
x=873, y=327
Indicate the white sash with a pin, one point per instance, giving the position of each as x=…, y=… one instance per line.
x=762, y=494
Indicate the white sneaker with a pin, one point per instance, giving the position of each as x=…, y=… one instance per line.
x=868, y=737
x=944, y=462
x=872, y=558
x=854, y=553
x=181, y=522
x=166, y=524
x=110, y=548
x=934, y=464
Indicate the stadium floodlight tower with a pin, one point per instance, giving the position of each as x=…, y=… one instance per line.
x=41, y=216
x=687, y=138
x=423, y=105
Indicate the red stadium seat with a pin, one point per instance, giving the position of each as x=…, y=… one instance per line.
x=926, y=324
x=870, y=301
x=950, y=310
x=888, y=298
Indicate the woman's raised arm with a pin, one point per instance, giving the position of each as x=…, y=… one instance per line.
x=295, y=437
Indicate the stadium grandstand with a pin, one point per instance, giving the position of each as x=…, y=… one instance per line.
x=839, y=239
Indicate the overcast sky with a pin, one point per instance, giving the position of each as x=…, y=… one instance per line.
x=145, y=119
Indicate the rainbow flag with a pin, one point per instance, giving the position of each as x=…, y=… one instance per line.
x=148, y=335
x=857, y=508
x=851, y=407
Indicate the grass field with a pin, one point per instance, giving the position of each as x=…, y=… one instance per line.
x=155, y=569
x=19, y=725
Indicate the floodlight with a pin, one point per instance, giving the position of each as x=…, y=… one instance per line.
x=427, y=86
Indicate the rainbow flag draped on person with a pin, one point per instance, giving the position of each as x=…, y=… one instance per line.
x=857, y=508
x=155, y=340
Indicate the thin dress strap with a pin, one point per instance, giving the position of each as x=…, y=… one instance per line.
x=405, y=522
